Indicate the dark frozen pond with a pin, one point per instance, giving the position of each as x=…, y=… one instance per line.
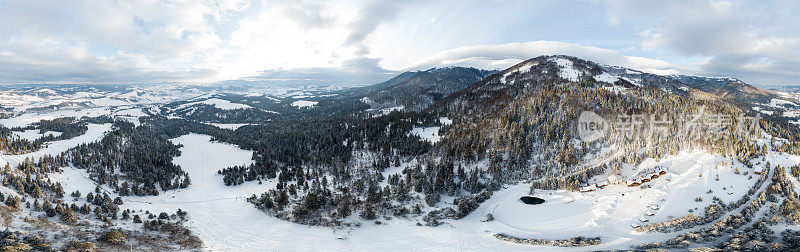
x=530, y=200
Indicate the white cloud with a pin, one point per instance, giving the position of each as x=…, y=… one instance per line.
x=39, y=58
x=357, y=71
x=107, y=41
x=369, y=17
x=756, y=41
x=184, y=41
x=212, y=40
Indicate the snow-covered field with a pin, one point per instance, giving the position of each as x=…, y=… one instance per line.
x=31, y=135
x=219, y=214
x=230, y=126
x=609, y=212
x=218, y=103
x=430, y=134
x=94, y=133
x=566, y=70
x=26, y=119
x=386, y=111
x=304, y=104
x=135, y=112
x=226, y=222
x=222, y=218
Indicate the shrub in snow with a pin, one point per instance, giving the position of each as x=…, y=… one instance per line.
x=114, y=237
x=368, y=213
x=14, y=203
x=17, y=247
x=712, y=213
x=791, y=210
x=579, y=241
x=432, y=199
x=81, y=246
x=791, y=237
x=757, y=237
x=431, y=221
x=69, y=216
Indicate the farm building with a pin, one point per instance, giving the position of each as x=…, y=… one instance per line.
x=614, y=179
x=588, y=188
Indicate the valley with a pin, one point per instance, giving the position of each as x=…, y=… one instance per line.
x=429, y=160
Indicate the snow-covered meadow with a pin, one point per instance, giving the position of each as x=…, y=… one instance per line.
x=222, y=218
x=216, y=102
x=304, y=104
x=94, y=133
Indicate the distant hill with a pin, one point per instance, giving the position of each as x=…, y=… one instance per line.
x=727, y=87
x=415, y=91
x=781, y=104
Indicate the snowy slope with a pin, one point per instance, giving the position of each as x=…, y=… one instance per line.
x=304, y=104
x=221, y=217
x=94, y=133
x=430, y=134
x=216, y=102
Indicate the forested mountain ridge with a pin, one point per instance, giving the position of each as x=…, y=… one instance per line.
x=778, y=105
x=415, y=91
x=728, y=88
x=132, y=160
x=501, y=86
x=408, y=91
x=523, y=120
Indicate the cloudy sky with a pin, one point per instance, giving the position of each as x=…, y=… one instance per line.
x=367, y=41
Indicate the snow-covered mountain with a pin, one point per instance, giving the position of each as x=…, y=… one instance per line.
x=727, y=87
x=573, y=69
x=537, y=102
x=767, y=102
x=505, y=85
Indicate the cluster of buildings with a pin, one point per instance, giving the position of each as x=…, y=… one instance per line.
x=643, y=219
x=613, y=179
x=637, y=180
x=646, y=177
